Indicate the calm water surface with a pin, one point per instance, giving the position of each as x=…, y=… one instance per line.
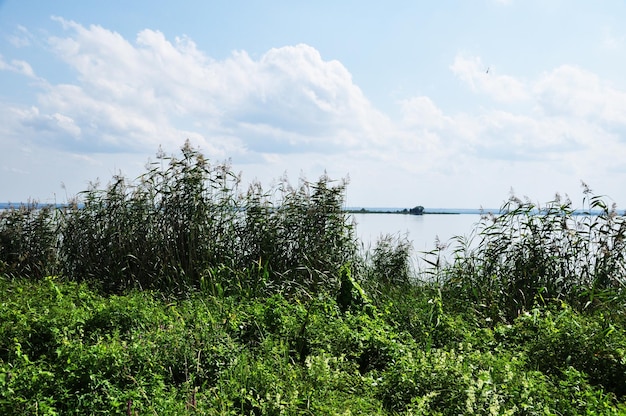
x=422, y=230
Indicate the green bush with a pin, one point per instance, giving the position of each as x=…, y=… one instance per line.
x=68, y=350
x=556, y=339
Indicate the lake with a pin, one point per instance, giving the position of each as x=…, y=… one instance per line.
x=422, y=230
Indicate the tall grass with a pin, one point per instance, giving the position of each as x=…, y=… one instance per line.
x=164, y=230
x=185, y=223
x=386, y=267
x=29, y=240
x=530, y=253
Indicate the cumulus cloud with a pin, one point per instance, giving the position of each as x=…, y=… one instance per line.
x=55, y=123
x=155, y=91
x=563, y=91
x=567, y=111
x=422, y=111
x=291, y=107
x=481, y=78
x=135, y=95
x=574, y=91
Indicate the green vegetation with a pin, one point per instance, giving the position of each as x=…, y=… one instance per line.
x=179, y=293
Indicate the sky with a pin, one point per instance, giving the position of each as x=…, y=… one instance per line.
x=449, y=104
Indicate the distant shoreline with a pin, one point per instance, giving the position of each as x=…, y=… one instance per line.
x=349, y=210
x=399, y=211
x=425, y=211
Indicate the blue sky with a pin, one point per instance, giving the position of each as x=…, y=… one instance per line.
x=442, y=104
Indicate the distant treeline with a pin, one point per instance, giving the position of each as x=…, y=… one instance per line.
x=417, y=210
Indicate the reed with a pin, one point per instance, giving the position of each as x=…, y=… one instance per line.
x=530, y=253
x=386, y=267
x=185, y=224
x=29, y=240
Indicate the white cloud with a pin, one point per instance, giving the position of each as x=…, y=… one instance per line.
x=21, y=38
x=290, y=109
x=55, y=123
x=573, y=91
x=17, y=66
x=568, y=111
x=422, y=111
x=485, y=80
x=152, y=89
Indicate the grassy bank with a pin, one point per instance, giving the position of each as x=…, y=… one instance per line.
x=180, y=293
